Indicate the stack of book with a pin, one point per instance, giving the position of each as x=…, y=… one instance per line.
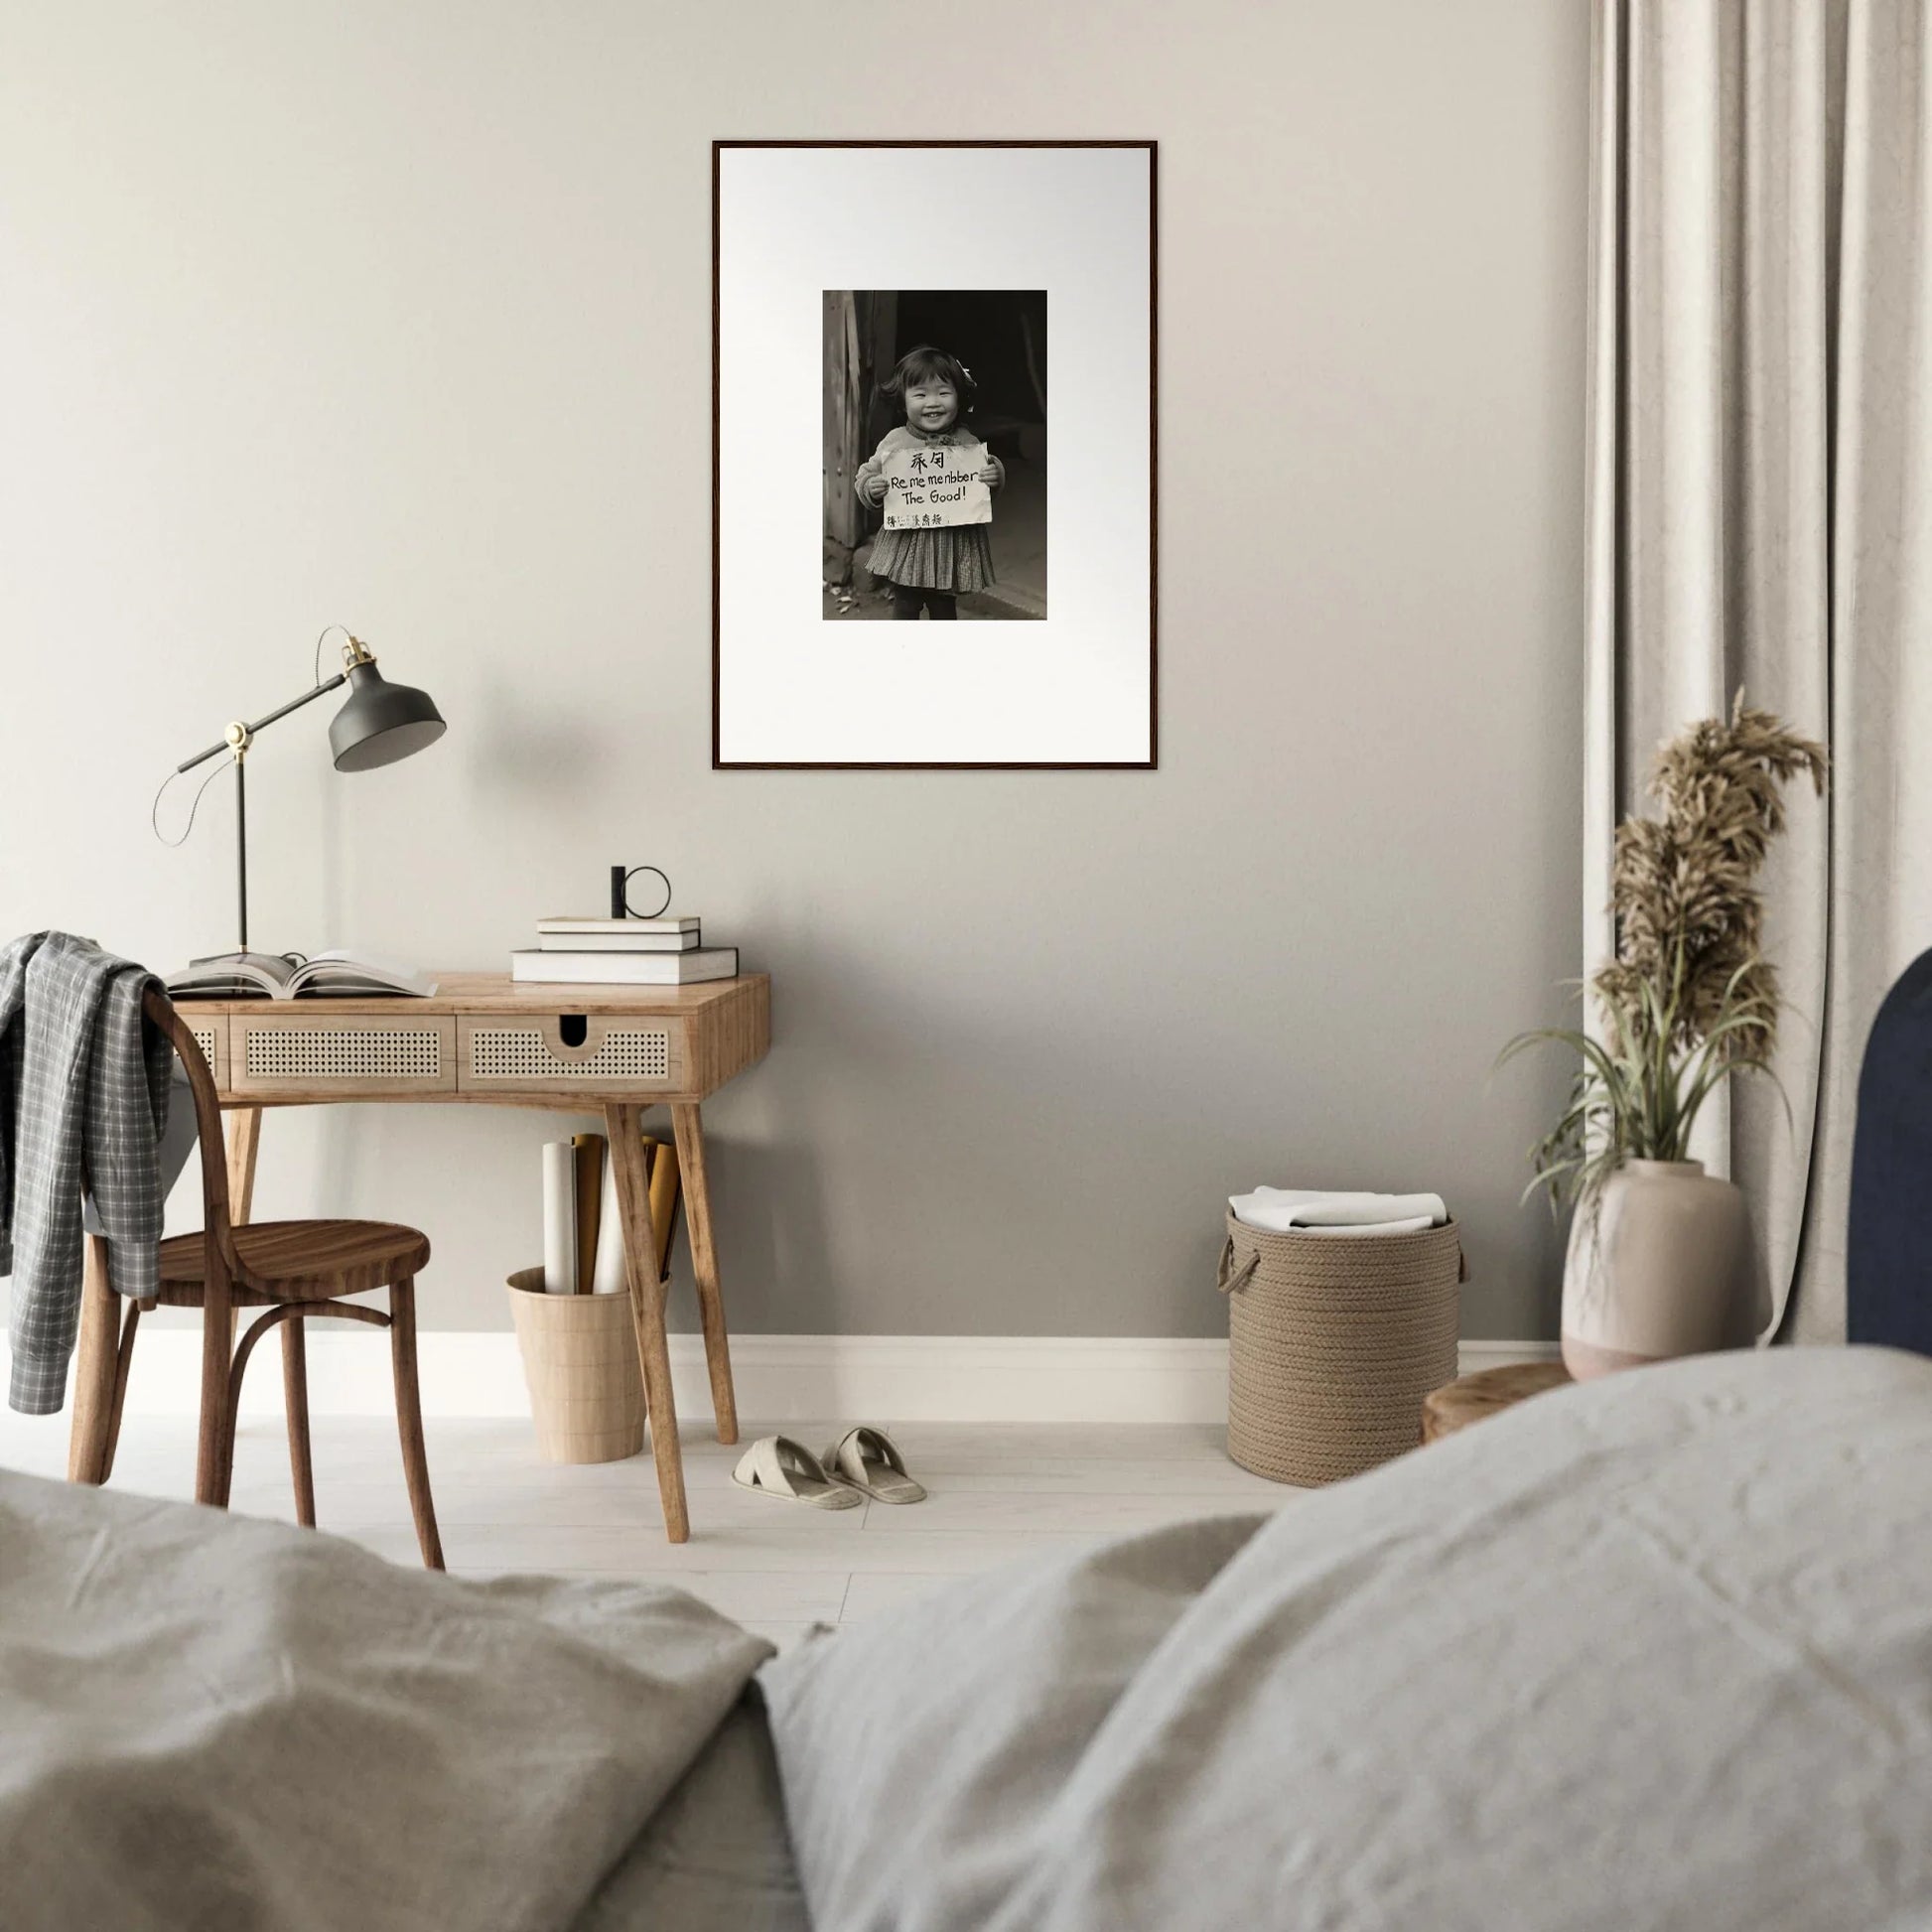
x=622, y=952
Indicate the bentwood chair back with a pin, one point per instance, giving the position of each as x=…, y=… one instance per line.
x=292, y=1271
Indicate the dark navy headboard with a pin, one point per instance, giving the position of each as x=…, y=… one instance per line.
x=1888, y=1246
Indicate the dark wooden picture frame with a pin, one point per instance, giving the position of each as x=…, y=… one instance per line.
x=1152, y=760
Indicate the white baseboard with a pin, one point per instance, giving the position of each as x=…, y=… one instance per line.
x=778, y=1378
x=1473, y=1356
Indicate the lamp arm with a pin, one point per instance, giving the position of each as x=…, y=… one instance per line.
x=249, y=731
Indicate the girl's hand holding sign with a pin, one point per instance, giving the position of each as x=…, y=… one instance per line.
x=937, y=487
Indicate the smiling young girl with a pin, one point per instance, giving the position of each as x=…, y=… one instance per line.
x=928, y=569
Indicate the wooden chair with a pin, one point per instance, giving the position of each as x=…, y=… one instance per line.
x=292, y=1269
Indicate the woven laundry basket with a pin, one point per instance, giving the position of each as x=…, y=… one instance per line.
x=1334, y=1340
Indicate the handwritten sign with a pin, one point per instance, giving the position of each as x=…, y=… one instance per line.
x=936, y=487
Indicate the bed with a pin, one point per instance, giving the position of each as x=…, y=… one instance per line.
x=1655, y=1651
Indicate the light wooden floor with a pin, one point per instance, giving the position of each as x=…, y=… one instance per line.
x=999, y=1492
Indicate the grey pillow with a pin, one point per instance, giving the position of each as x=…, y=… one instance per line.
x=1653, y=1651
x=919, y=1749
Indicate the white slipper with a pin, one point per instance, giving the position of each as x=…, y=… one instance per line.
x=866, y=1458
x=775, y=1465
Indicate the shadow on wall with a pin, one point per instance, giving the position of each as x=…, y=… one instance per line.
x=524, y=743
x=767, y=1199
x=1036, y=1228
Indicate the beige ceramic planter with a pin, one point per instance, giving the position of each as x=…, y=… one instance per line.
x=1654, y=1268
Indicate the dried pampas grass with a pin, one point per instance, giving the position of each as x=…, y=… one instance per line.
x=1689, y=996
x=1684, y=887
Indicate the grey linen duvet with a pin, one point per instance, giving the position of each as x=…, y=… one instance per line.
x=222, y=1725
x=1653, y=1653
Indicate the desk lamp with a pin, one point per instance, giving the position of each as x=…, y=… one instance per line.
x=378, y=723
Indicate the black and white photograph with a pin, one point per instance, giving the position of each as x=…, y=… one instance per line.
x=973, y=399
x=935, y=453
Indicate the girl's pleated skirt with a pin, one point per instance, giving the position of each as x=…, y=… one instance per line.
x=957, y=559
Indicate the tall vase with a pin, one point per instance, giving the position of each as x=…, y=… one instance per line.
x=1654, y=1269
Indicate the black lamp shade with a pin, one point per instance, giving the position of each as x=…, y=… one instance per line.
x=381, y=722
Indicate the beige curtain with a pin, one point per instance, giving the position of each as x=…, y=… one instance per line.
x=1761, y=513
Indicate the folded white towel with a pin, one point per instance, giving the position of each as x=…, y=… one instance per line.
x=1314, y=1211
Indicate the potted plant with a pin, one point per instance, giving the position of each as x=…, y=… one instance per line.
x=1656, y=1245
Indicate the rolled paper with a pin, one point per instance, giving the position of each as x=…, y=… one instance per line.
x=665, y=1183
x=587, y=1155
x=559, y=1218
x=606, y=1276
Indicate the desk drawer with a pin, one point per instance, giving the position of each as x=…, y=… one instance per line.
x=315, y=1052
x=211, y=1031
x=565, y=1052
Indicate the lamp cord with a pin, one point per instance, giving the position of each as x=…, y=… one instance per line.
x=154, y=821
x=316, y=674
x=154, y=810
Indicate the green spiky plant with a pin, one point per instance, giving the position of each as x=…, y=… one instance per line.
x=1690, y=999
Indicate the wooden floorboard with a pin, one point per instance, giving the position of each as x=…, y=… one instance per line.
x=1000, y=1492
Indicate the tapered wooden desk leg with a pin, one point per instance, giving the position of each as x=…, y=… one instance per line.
x=245, y=1142
x=688, y=1126
x=94, y=1369
x=123, y=1365
x=624, y=1125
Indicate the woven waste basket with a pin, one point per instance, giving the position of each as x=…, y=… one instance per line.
x=1334, y=1340
x=580, y=1360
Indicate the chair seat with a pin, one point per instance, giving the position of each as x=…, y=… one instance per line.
x=300, y=1261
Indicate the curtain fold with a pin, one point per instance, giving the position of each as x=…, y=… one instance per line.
x=1758, y=517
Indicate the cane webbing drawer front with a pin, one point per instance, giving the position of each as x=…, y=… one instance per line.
x=568, y=1052
x=211, y=1033
x=315, y=1052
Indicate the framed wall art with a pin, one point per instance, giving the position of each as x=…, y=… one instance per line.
x=933, y=402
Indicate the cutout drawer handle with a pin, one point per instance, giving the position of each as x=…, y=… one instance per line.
x=570, y=1037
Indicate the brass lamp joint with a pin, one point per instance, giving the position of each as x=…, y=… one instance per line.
x=238, y=737
x=355, y=651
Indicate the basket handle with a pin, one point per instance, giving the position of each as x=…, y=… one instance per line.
x=1229, y=1279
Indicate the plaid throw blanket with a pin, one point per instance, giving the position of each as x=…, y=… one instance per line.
x=82, y=1084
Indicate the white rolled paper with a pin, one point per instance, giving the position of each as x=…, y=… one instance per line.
x=608, y=1277
x=559, y=1218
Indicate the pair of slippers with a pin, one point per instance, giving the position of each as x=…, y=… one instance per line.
x=861, y=1462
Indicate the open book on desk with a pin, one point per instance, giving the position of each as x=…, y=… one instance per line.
x=289, y=976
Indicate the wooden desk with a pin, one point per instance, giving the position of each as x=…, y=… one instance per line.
x=484, y=1042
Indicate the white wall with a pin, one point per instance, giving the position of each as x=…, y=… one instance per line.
x=398, y=314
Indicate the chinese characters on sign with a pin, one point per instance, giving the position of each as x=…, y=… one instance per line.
x=931, y=489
